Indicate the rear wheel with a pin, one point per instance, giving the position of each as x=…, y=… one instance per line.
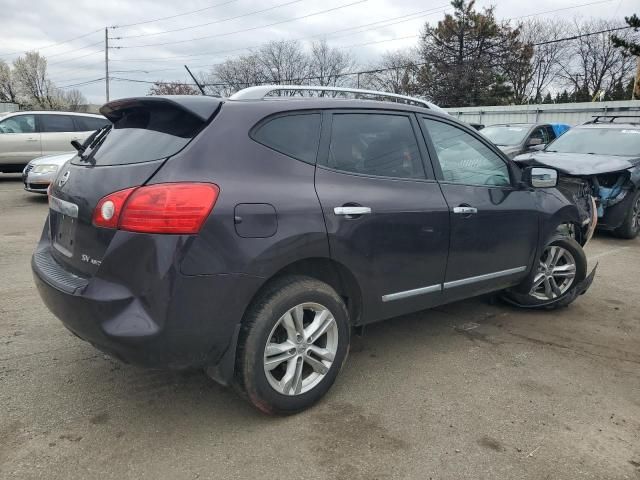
x=294, y=341
x=560, y=270
x=631, y=225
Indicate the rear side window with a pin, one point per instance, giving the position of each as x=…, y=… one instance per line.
x=56, y=123
x=295, y=135
x=374, y=144
x=142, y=134
x=89, y=124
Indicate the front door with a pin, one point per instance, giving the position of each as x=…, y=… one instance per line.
x=386, y=218
x=494, y=224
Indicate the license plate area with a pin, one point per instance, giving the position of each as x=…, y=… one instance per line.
x=64, y=219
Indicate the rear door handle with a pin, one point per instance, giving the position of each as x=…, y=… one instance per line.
x=465, y=210
x=32, y=139
x=352, y=210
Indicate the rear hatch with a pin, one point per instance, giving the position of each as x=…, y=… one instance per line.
x=144, y=133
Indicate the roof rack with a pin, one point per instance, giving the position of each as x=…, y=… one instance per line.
x=610, y=118
x=262, y=91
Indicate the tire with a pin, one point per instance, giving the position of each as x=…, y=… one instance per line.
x=297, y=370
x=631, y=225
x=565, y=278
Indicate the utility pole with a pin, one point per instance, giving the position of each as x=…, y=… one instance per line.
x=106, y=62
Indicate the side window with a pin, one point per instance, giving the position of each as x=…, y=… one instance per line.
x=89, y=124
x=541, y=133
x=296, y=135
x=18, y=124
x=463, y=158
x=551, y=135
x=56, y=123
x=374, y=144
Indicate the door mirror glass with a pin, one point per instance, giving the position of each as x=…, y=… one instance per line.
x=539, y=177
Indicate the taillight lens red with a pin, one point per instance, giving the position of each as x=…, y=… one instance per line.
x=177, y=208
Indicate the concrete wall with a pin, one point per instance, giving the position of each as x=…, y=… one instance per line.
x=571, y=113
x=8, y=107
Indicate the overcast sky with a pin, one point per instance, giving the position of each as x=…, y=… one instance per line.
x=386, y=25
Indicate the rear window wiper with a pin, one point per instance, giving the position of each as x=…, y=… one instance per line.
x=94, y=140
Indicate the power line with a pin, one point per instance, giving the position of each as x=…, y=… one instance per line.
x=52, y=45
x=561, y=9
x=247, y=29
x=75, y=49
x=73, y=59
x=144, y=22
x=210, y=23
x=81, y=84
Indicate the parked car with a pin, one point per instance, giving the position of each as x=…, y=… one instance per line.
x=600, y=159
x=516, y=138
x=248, y=236
x=28, y=135
x=40, y=172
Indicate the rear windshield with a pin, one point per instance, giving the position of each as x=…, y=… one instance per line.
x=141, y=134
x=599, y=141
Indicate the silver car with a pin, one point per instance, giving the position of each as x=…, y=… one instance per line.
x=40, y=172
x=28, y=135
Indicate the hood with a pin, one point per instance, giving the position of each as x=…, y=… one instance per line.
x=59, y=159
x=510, y=150
x=579, y=164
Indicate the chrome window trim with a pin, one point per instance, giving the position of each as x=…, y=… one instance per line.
x=62, y=206
x=482, y=278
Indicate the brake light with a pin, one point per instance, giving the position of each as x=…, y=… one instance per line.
x=178, y=208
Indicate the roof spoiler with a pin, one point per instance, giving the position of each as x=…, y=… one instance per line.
x=200, y=107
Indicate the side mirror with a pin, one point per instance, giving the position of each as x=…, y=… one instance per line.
x=534, y=141
x=538, y=148
x=540, y=177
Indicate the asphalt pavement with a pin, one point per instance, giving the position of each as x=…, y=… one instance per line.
x=472, y=390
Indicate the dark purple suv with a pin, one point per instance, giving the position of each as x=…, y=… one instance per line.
x=248, y=236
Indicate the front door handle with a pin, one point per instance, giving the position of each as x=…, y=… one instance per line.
x=465, y=210
x=32, y=139
x=352, y=210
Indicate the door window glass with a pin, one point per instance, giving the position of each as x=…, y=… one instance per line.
x=56, y=123
x=18, y=124
x=374, y=144
x=541, y=134
x=89, y=124
x=297, y=136
x=463, y=158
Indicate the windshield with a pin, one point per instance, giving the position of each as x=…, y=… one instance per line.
x=505, y=135
x=599, y=141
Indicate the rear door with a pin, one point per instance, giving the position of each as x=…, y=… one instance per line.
x=19, y=140
x=57, y=132
x=494, y=223
x=386, y=218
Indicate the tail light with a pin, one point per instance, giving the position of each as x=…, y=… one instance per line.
x=178, y=208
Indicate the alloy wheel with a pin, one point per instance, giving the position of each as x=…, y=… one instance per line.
x=555, y=275
x=301, y=349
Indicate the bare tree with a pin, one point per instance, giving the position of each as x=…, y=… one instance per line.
x=283, y=62
x=539, y=65
x=8, y=87
x=30, y=72
x=395, y=73
x=74, y=101
x=172, y=88
x=235, y=74
x=327, y=65
x=595, y=67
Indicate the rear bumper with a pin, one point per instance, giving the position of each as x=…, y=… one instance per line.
x=180, y=321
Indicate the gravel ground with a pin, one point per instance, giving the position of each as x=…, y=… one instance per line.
x=472, y=390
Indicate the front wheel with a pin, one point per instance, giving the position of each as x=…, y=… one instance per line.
x=294, y=340
x=560, y=271
x=631, y=225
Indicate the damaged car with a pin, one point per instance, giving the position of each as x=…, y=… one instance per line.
x=599, y=166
